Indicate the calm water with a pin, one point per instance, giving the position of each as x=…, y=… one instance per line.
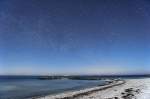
x=22, y=88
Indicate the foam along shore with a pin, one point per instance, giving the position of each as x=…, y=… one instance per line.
x=83, y=92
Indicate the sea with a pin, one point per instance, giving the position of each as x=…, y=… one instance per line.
x=22, y=87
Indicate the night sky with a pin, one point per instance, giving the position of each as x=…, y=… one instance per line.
x=74, y=37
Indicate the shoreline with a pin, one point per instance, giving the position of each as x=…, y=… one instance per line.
x=132, y=89
x=83, y=92
x=135, y=88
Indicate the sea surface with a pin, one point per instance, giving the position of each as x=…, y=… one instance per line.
x=25, y=87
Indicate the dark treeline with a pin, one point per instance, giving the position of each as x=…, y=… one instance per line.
x=93, y=77
x=72, y=77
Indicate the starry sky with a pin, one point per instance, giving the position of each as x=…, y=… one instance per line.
x=74, y=37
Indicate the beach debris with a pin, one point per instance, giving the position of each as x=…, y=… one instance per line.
x=130, y=93
x=113, y=98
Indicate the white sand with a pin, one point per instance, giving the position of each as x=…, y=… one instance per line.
x=109, y=93
x=142, y=84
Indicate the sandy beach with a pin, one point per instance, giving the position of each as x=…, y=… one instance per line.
x=123, y=89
